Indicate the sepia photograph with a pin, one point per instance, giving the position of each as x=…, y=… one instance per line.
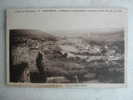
x=66, y=47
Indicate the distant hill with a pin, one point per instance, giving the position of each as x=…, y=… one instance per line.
x=31, y=34
x=110, y=36
x=97, y=34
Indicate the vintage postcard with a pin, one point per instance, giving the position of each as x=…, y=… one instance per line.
x=67, y=47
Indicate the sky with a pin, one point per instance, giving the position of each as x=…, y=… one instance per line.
x=70, y=23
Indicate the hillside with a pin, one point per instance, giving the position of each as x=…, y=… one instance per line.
x=76, y=59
